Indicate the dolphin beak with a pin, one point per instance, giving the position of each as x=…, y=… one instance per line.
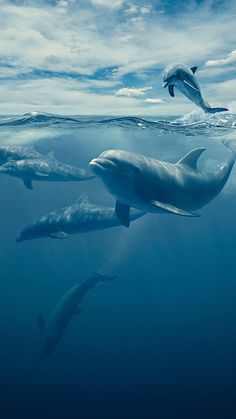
x=101, y=164
x=165, y=84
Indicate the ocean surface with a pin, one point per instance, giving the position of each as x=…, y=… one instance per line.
x=159, y=342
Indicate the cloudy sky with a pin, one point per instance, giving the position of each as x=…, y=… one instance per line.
x=107, y=56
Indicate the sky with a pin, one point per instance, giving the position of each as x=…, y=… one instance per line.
x=106, y=57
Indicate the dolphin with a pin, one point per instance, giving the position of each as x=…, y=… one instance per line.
x=18, y=152
x=43, y=170
x=181, y=77
x=81, y=217
x=157, y=186
x=54, y=328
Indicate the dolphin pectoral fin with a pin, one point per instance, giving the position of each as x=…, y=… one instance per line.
x=190, y=85
x=171, y=90
x=41, y=323
x=28, y=183
x=77, y=311
x=60, y=235
x=191, y=158
x=194, y=69
x=122, y=213
x=174, y=210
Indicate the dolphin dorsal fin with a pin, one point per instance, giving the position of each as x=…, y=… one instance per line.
x=191, y=158
x=194, y=69
x=82, y=199
x=51, y=155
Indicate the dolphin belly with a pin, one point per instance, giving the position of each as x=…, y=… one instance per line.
x=194, y=95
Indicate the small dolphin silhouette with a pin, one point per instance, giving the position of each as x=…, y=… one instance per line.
x=54, y=328
x=47, y=170
x=181, y=77
x=81, y=217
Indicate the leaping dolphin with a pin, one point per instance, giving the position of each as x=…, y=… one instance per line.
x=81, y=217
x=44, y=170
x=157, y=186
x=181, y=77
x=54, y=328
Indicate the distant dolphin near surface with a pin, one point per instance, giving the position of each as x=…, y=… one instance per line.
x=81, y=217
x=17, y=152
x=157, y=186
x=47, y=170
x=182, y=77
x=54, y=328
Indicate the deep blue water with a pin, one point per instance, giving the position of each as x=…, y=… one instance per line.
x=159, y=342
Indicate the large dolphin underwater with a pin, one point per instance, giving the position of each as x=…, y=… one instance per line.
x=44, y=169
x=80, y=217
x=54, y=328
x=157, y=186
x=18, y=152
x=182, y=77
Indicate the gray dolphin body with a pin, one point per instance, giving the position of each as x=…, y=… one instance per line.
x=157, y=186
x=181, y=77
x=81, y=217
x=59, y=319
x=43, y=170
x=18, y=152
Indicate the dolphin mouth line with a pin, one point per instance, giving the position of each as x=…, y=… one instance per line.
x=165, y=84
x=102, y=163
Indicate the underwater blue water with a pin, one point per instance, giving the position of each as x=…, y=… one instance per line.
x=159, y=342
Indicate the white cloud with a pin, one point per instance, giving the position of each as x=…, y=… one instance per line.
x=153, y=101
x=231, y=58
x=145, y=10
x=110, y=4
x=135, y=9
x=132, y=91
x=70, y=97
x=71, y=37
x=43, y=38
x=62, y=3
x=132, y=9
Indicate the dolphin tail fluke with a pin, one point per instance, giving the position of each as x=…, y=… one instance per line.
x=215, y=110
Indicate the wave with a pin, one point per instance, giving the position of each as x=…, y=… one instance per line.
x=37, y=118
x=194, y=123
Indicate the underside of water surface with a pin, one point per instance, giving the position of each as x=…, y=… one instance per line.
x=160, y=340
